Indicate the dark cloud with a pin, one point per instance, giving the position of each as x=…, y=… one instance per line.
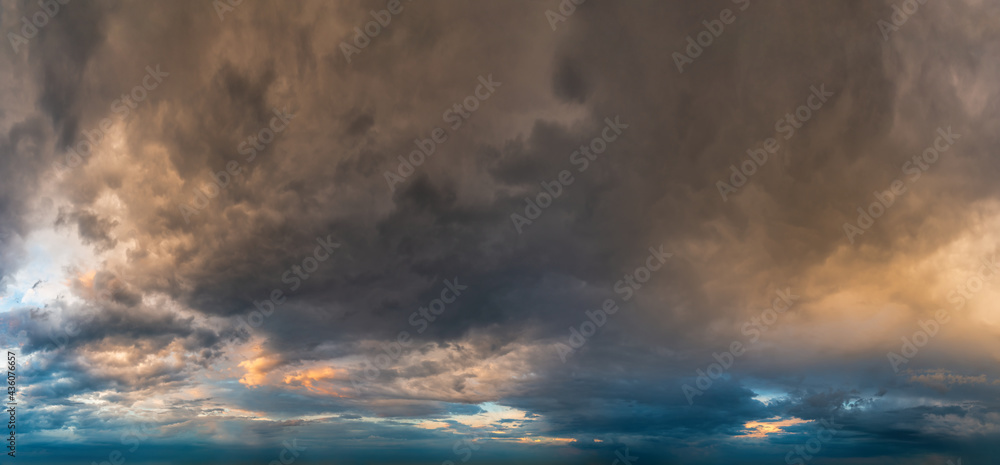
x=177, y=249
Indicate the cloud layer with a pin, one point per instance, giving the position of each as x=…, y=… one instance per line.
x=177, y=172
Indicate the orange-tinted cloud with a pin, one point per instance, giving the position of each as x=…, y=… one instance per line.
x=315, y=380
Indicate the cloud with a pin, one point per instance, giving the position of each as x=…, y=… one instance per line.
x=148, y=320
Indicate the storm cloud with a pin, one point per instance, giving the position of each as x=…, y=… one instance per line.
x=413, y=232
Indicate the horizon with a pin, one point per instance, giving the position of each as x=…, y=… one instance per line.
x=556, y=232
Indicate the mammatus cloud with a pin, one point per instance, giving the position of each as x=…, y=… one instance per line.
x=565, y=232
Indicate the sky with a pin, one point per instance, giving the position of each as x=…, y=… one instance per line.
x=545, y=232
